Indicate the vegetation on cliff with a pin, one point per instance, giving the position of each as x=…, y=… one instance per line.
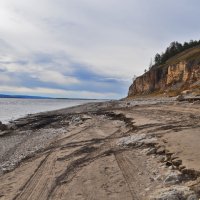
x=177, y=71
x=173, y=49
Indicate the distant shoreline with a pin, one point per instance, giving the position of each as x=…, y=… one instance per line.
x=13, y=108
x=5, y=96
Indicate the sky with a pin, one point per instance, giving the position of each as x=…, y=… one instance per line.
x=87, y=48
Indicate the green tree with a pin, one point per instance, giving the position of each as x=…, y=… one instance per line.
x=157, y=59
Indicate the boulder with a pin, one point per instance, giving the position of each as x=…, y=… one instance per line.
x=174, y=193
x=3, y=127
x=186, y=92
x=180, y=98
x=160, y=150
x=173, y=178
x=177, y=162
x=86, y=117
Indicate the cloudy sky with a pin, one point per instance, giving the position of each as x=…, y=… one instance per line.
x=86, y=48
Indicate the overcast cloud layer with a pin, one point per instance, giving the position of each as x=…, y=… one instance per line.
x=86, y=48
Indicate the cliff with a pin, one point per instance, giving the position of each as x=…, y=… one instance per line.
x=180, y=73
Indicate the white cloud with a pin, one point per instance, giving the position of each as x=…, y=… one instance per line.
x=57, y=92
x=88, y=31
x=43, y=72
x=114, y=38
x=55, y=77
x=5, y=79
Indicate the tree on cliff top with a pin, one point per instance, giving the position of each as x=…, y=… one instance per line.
x=173, y=49
x=134, y=78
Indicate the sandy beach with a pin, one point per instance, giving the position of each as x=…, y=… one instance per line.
x=130, y=150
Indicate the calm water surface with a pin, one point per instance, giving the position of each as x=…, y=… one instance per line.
x=11, y=109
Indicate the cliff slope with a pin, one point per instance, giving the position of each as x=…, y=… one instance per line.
x=180, y=73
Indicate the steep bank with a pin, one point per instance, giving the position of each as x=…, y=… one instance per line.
x=181, y=72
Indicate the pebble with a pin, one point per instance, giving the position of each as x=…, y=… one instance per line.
x=174, y=193
x=160, y=150
x=173, y=178
x=177, y=162
x=151, y=151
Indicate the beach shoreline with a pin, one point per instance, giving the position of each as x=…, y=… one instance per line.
x=128, y=149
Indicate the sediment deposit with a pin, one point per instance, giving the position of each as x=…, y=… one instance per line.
x=112, y=150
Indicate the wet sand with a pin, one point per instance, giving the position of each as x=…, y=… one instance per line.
x=113, y=150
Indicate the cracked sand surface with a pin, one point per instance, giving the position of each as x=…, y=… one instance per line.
x=87, y=161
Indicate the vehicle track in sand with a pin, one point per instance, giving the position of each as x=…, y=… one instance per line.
x=39, y=185
x=67, y=156
x=87, y=161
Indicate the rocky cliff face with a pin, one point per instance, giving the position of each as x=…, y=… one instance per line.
x=183, y=73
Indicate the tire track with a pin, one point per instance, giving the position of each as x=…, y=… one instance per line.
x=130, y=167
x=123, y=166
x=37, y=187
x=49, y=176
x=40, y=184
x=32, y=179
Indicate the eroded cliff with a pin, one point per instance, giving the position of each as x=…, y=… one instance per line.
x=178, y=74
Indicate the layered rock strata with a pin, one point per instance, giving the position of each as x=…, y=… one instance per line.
x=179, y=76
